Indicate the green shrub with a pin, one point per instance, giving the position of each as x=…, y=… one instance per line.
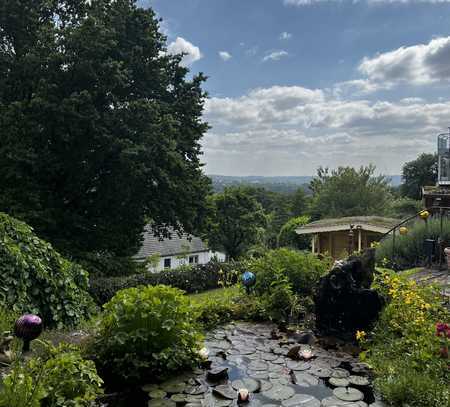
x=404, y=348
x=36, y=279
x=288, y=237
x=191, y=279
x=409, y=248
x=145, y=332
x=301, y=269
x=59, y=377
x=7, y=319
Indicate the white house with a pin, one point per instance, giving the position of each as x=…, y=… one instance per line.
x=175, y=251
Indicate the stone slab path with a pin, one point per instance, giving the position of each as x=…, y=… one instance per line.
x=244, y=355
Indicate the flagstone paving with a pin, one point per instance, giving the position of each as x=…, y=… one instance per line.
x=244, y=355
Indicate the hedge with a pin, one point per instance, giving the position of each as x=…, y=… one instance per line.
x=191, y=279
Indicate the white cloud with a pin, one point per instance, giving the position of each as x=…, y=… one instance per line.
x=275, y=55
x=418, y=64
x=182, y=46
x=292, y=130
x=285, y=36
x=224, y=55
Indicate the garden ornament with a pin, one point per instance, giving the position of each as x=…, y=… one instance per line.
x=249, y=280
x=403, y=230
x=243, y=396
x=424, y=215
x=27, y=328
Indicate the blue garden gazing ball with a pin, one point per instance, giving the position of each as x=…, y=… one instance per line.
x=248, y=279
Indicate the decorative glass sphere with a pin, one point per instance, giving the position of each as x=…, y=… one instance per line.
x=27, y=328
x=403, y=230
x=248, y=279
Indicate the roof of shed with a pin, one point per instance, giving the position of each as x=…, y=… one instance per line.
x=175, y=245
x=377, y=224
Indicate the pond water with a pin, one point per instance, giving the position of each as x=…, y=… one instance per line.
x=244, y=355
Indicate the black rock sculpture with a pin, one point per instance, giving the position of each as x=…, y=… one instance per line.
x=344, y=301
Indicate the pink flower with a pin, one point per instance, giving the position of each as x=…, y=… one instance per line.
x=442, y=329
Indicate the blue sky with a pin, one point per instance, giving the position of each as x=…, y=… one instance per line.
x=295, y=84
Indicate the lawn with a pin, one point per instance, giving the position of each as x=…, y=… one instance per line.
x=219, y=294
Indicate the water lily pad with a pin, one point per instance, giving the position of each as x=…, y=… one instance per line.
x=225, y=391
x=157, y=394
x=293, y=365
x=340, y=373
x=252, y=385
x=178, y=398
x=173, y=387
x=258, y=374
x=358, y=380
x=304, y=379
x=335, y=402
x=258, y=365
x=339, y=382
x=217, y=373
x=269, y=356
x=149, y=387
x=301, y=400
x=265, y=385
x=279, y=392
x=320, y=371
x=161, y=403
x=348, y=394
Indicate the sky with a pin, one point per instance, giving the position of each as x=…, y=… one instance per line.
x=298, y=84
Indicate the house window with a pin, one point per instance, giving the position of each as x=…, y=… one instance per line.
x=167, y=263
x=193, y=259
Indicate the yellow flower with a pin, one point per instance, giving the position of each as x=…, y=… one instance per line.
x=360, y=335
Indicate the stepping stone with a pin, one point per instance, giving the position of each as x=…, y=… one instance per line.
x=279, y=392
x=304, y=379
x=340, y=373
x=301, y=400
x=348, y=394
x=338, y=382
x=157, y=394
x=358, y=380
x=252, y=385
x=335, y=402
x=225, y=391
x=319, y=371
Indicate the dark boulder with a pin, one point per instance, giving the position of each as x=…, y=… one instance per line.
x=344, y=301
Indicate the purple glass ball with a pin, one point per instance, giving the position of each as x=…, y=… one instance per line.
x=28, y=327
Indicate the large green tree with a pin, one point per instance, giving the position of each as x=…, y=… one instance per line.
x=418, y=173
x=237, y=221
x=347, y=191
x=99, y=126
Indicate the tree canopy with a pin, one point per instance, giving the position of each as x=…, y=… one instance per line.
x=236, y=222
x=347, y=191
x=99, y=126
x=418, y=173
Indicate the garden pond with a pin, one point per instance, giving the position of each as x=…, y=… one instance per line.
x=246, y=355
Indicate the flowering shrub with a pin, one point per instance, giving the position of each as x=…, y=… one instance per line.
x=405, y=345
x=443, y=332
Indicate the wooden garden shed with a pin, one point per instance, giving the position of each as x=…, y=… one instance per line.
x=338, y=237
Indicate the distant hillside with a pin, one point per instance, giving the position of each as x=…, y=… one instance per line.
x=277, y=184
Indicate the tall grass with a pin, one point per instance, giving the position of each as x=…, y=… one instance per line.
x=409, y=249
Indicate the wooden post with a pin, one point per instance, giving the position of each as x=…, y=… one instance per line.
x=313, y=244
x=359, y=240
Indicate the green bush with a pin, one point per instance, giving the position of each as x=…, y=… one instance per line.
x=404, y=349
x=59, y=377
x=289, y=238
x=409, y=248
x=302, y=270
x=36, y=279
x=191, y=279
x=145, y=332
x=7, y=319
